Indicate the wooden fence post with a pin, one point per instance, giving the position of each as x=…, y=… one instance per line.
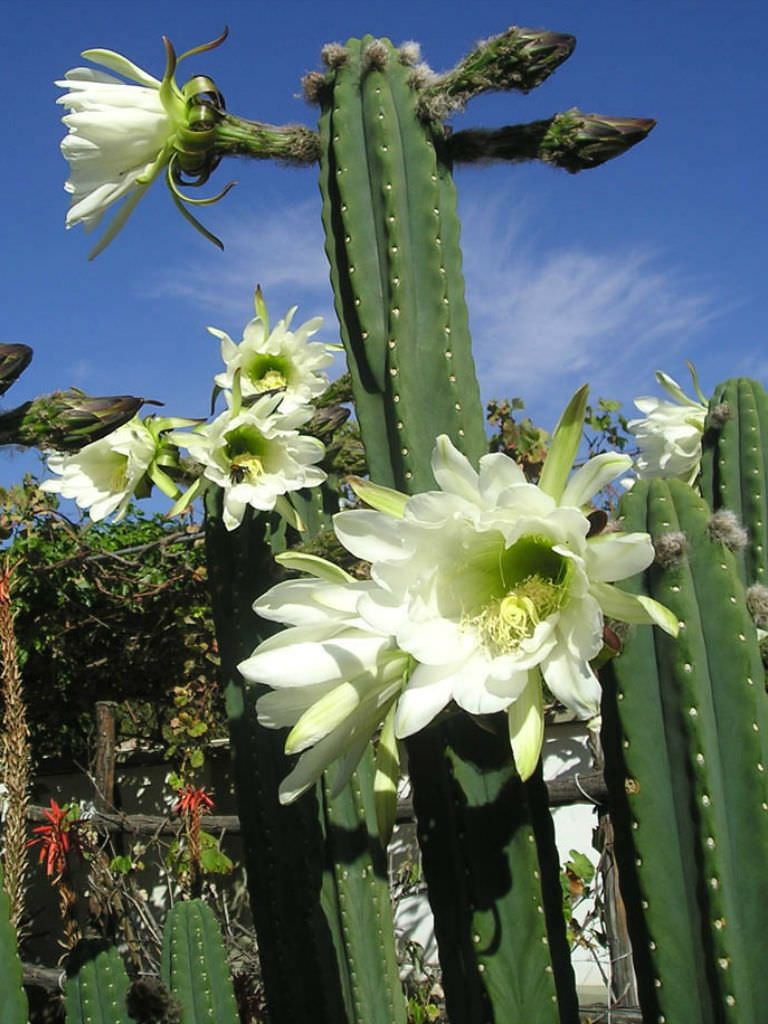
x=104, y=761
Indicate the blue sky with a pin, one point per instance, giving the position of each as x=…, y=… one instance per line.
x=648, y=261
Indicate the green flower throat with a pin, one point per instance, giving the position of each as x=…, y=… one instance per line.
x=534, y=585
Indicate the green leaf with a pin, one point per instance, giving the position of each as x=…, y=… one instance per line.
x=565, y=445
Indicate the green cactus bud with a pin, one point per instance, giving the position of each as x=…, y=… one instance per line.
x=520, y=58
x=572, y=140
x=14, y=359
x=66, y=420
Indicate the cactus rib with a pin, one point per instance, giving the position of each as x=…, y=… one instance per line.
x=194, y=965
x=385, y=207
x=735, y=467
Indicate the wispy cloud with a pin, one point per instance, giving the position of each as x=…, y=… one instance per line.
x=546, y=321
x=282, y=250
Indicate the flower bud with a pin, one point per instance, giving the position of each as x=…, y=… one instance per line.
x=14, y=359
x=66, y=420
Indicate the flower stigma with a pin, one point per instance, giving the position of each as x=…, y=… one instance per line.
x=246, y=448
x=267, y=372
x=535, y=582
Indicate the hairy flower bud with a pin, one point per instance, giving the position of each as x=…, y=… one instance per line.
x=66, y=420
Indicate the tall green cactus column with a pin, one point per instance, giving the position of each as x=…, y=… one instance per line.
x=315, y=868
x=734, y=467
x=392, y=238
x=686, y=741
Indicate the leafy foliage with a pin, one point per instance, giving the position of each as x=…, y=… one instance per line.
x=109, y=612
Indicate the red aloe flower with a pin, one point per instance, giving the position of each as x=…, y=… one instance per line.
x=58, y=838
x=192, y=801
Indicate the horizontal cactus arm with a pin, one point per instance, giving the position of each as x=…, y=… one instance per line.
x=572, y=140
x=288, y=143
x=519, y=59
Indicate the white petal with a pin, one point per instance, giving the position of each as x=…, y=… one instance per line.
x=327, y=714
x=304, y=601
x=636, y=608
x=435, y=640
x=497, y=472
x=593, y=476
x=615, y=556
x=369, y=535
x=572, y=682
x=427, y=693
x=525, y=719
x=453, y=471
x=301, y=664
x=117, y=62
x=280, y=708
x=471, y=693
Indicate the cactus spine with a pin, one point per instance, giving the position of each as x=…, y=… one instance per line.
x=685, y=732
x=194, y=965
x=13, y=998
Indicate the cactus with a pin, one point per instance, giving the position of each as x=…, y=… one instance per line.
x=392, y=238
x=686, y=742
x=194, y=965
x=734, y=471
x=392, y=241
x=97, y=986
x=310, y=868
x=13, y=1001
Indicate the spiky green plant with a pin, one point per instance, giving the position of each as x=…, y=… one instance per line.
x=392, y=239
x=686, y=740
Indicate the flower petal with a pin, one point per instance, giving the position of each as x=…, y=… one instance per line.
x=572, y=682
x=593, y=476
x=117, y=62
x=525, y=719
x=369, y=535
x=426, y=694
x=453, y=471
x=615, y=556
x=636, y=608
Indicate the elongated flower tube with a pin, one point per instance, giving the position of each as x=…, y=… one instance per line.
x=492, y=583
x=256, y=455
x=335, y=680
x=669, y=436
x=123, y=136
x=104, y=476
x=276, y=360
x=65, y=421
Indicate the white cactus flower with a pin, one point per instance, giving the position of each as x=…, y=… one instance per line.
x=669, y=436
x=256, y=455
x=277, y=359
x=481, y=588
x=104, y=475
x=123, y=135
x=335, y=680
